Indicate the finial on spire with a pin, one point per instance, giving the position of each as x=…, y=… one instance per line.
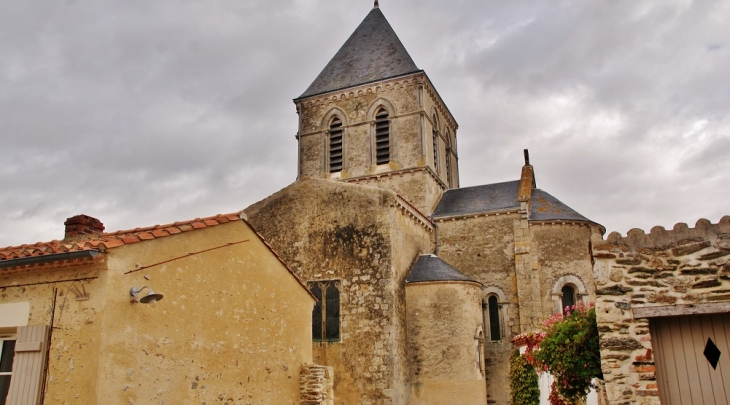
x=376, y=4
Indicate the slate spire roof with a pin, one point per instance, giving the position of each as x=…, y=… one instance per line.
x=372, y=53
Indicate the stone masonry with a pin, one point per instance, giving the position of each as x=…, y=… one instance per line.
x=685, y=267
x=316, y=384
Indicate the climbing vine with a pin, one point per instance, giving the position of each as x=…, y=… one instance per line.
x=523, y=381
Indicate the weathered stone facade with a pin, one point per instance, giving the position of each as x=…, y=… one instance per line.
x=525, y=261
x=641, y=277
x=445, y=337
x=415, y=112
x=365, y=238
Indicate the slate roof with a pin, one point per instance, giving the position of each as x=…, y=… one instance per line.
x=502, y=196
x=114, y=239
x=478, y=199
x=372, y=53
x=432, y=268
x=548, y=208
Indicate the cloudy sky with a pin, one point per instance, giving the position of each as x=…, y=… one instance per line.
x=141, y=113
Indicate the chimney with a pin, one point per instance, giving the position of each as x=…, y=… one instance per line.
x=527, y=180
x=82, y=226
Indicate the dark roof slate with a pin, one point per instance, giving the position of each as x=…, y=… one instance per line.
x=545, y=207
x=431, y=268
x=477, y=199
x=373, y=52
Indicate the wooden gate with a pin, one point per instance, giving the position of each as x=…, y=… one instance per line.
x=686, y=348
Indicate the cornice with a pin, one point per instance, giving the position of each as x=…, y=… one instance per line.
x=361, y=90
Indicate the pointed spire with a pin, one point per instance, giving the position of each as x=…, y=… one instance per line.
x=376, y=4
x=372, y=53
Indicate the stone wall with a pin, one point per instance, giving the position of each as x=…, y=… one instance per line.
x=367, y=239
x=444, y=340
x=316, y=385
x=412, y=103
x=668, y=269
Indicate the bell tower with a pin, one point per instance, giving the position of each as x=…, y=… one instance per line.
x=373, y=117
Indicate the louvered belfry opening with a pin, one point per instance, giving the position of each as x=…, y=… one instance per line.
x=382, y=137
x=435, y=135
x=335, y=145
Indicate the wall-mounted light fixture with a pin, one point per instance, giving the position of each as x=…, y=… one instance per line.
x=151, y=297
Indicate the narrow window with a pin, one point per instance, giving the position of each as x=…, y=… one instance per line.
x=332, y=313
x=435, y=136
x=7, y=353
x=335, y=145
x=568, y=299
x=326, y=312
x=495, y=332
x=448, y=159
x=382, y=137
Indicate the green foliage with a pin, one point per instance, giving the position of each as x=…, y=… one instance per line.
x=523, y=381
x=570, y=352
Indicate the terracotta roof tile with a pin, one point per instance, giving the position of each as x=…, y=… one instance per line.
x=115, y=239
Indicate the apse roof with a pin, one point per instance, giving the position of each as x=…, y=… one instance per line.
x=431, y=268
x=478, y=199
x=502, y=196
x=372, y=53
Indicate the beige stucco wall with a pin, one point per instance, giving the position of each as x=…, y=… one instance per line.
x=444, y=321
x=75, y=345
x=363, y=237
x=234, y=325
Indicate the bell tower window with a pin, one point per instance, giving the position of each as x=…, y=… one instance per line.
x=382, y=137
x=435, y=136
x=448, y=159
x=335, y=146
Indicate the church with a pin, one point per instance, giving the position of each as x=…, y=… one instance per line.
x=421, y=284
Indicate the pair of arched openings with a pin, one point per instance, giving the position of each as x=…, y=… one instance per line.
x=382, y=140
x=568, y=291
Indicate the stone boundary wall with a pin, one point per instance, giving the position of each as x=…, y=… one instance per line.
x=660, y=269
x=316, y=385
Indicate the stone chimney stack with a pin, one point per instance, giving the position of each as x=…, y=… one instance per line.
x=81, y=226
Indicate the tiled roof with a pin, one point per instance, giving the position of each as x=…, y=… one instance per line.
x=114, y=239
x=372, y=53
x=478, y=199
x=430, y=267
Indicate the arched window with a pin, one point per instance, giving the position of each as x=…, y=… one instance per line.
x=326, y=312
x=568, y=299
x=568, y=290
x=435, y=136
x=335, y=146
x=495, y=329
x=382, y=137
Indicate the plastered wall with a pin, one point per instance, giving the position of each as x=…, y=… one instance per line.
x=234, y=325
